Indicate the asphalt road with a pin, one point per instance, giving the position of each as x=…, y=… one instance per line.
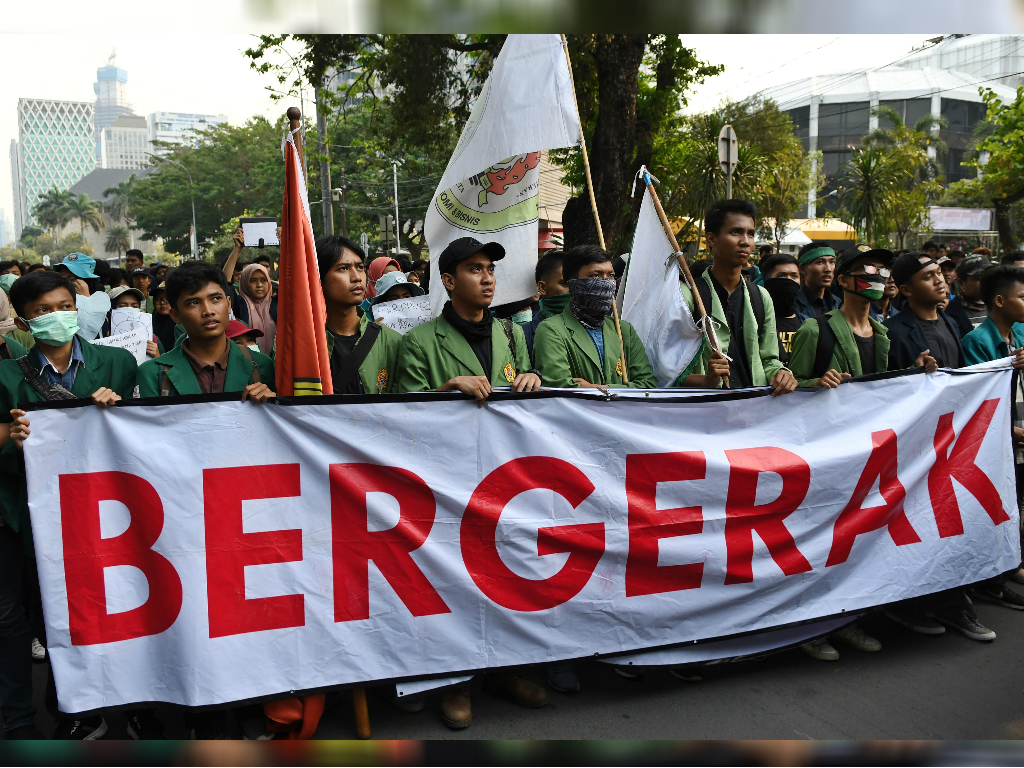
x=916, y=687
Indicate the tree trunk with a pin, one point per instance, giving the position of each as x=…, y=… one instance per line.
x=1004, y=223
x=618, y=59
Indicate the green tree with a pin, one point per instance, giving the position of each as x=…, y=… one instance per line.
x=118, y=240
x=791, y=173
x=121, y=199
x=88, y=212
x=52, y=210
x=869, y=179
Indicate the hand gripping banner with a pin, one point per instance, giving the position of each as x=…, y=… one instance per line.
x=208, y=552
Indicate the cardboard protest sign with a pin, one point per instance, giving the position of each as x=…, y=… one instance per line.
x=403, y=314
x=134, y=341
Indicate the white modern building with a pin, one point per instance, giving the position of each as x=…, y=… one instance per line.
x=5, y=230
x=55, y=148
x=176, y=127
x=993, y=58
x=124, y=144
x=832, y=113
x=111, y=89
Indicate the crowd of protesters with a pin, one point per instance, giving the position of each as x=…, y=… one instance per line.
x=812, y=319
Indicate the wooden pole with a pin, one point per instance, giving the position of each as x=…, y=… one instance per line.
x=593, y=204
x=716, y=345
x=295, y=121
x=362, y=713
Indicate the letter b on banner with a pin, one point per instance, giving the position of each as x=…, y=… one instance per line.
x=86, y=554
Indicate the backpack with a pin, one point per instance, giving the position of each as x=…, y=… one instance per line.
x=756, y=302
x=826, y=347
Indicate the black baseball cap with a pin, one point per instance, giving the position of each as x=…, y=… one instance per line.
x=462, y=249
x=846, y=260
x=908, y=265
x=157, y=287
x=972, y=265
x=140, y=271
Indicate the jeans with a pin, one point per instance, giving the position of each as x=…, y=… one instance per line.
x=15, y=634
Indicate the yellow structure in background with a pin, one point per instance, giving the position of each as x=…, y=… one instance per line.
x=825, y=229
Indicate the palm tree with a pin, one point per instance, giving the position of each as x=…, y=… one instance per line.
x=869, y=179
x=87, y=212
x=914, y=141
x=121, y=199
x=52, y=211
x=119, y=240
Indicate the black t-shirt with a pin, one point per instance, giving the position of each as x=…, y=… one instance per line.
x=734, y=304
x=941, y=342
x=787, y=328
x=866, y=350
x=343, y=346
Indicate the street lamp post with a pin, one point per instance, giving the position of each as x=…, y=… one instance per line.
x=192, y=199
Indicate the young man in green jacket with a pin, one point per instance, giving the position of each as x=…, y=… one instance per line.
x=207, y=362
x=451, y=353
x=580, y=347
x=343, y=280
x=60, y=366
x=744, y=312
x=853, y=344
x=466, y=349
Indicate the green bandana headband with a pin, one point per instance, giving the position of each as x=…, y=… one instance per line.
x=816, y=253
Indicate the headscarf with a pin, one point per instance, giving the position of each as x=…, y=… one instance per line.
x=259, y=309
x=376, y=272
x=6, y=321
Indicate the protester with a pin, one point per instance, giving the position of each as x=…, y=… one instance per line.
x=817, y=264
x=364, y=355
x=394, y=286
x=133, y=260
x=967, y=309
x=141, y=280
x=243, y=335
x=60, y=366
x=1013, y=259
x=158, y=271
x=7, y=280
x=79, y=269
x=37, y=267
x=745, y=314
x=412, y=277
x=119, y=277
x=130, y=298
x=580, y=347
x=378, y=268
x=921, y=327
x=206, y=362
x=931, y=249
x=163, y=325
x=10, y=268
x=256, y=305
x=10, y=347
x=422, y=268
x=948, y=267
x=763, y=253
x=782, y=281
x=886, y=306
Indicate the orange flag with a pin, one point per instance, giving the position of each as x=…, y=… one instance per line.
x=302, y=364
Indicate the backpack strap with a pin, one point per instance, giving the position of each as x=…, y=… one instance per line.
x=757, y=305
x=350, y=367
x=826, y=347
x=5, y=351
x=43, y=388
x=705, y=293
x=255, y=368
x=506, y=325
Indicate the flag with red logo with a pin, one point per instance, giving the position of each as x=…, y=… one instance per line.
x=302, y=363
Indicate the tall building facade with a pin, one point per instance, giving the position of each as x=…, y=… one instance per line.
x=125, y=143
x=175, y=127
x=55, y=147
x=5, y=230
x=111, y=89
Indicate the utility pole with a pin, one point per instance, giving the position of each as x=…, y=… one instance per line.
x=325, y=161
x=398, y=221
x=344, y=222
x=727, y=155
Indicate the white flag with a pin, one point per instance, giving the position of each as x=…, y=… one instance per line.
x=489, y=190
x=652, y=303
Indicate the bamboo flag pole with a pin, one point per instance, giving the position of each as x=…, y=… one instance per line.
x=716, y=345
x=593, y=204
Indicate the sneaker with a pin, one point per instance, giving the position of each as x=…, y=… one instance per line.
x=144, y=725
x=686, y=674
x=820, y=650
x=38, y=651
x=255, y=729
x=628, y=673
x=563, y=679
x=22, y=732
x=854, y=636
x=968, y=626
x=89, y=729
x=1003, y=596
x=914, y=620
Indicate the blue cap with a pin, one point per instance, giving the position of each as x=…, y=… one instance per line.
x=79, y=265
x=393, y=280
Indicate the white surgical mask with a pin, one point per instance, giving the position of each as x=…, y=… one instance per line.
x=253, y=347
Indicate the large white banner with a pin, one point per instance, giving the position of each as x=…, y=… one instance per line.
x=491, y=185
x=206, y=552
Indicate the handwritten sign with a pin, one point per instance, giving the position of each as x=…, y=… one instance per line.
x=128, y=319
x=404, y=314
x=134, y=341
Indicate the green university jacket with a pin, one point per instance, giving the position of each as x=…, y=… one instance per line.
x=183, y=378
x=379, y=371
x=564, y=350
x=109, y=367
x=763, y=354
x=434, y=353
x=845, y=358
x=15, y=347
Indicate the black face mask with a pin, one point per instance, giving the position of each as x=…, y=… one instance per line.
x=783, y=292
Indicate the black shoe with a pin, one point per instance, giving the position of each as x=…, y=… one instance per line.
x=89, y=729
x=144, y=725
x=1003, y=596
x=25, y=732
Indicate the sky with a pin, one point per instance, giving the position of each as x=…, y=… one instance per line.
x=207, y=73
